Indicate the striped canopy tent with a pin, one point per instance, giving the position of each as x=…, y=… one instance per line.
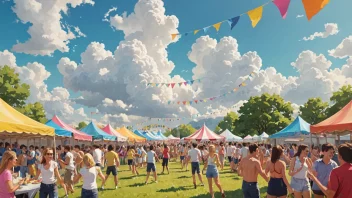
x=204, y=134
x=111, y=131
x=77, y=135
x=143, y=135
x=130, y=135
x=153, y=135
x=160, y=134
x=171, y=137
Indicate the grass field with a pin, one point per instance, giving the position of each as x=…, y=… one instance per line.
x=177, y=184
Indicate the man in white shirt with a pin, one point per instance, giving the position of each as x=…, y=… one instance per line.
x=194, y=155
x=70, y=168
x=244, y=151
x=229, y=151
x=97, y=155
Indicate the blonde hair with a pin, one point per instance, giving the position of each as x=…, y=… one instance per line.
x=212, y=148
x=88, y=160
x=6, y=157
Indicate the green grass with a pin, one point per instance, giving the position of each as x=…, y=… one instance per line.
x=177, y=184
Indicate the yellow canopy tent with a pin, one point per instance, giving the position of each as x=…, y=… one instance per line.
x=15, y=124
x=130, y=135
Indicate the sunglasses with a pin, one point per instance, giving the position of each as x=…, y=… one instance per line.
x=50, y=154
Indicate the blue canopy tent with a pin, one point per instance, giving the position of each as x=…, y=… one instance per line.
x=146, y=134
x=153, y=135
x=160, y=134
x=140, y=133
x=296, y=128
x=97, y=133
x=58, y=130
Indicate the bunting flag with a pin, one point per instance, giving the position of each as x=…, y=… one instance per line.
x=255, y=15
x=172, y=85
x=197, y=101
x=282, y=5
x=312, y=7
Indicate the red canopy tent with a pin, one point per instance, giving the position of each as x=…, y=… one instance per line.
x=204, y=134
x=77, y=135
x=340, y=123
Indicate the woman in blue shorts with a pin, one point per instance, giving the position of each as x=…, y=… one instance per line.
x=212, y=171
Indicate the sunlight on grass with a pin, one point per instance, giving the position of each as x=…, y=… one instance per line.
x=177, y=184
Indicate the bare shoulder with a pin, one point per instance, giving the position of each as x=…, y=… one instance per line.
x=255, y=160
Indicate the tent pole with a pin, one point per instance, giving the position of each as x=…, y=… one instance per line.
x=55, y=157
x=338, y=139
x=311, y=141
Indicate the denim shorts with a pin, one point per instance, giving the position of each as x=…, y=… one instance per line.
x=89, y=193
x=182, y=157
x=48, y=190
x=212, y=172
x=129, y=162
x=300, y=185
x=277, y=187
x=235, y=160
x=250, y=189
x=150, y=167
x=195, y=168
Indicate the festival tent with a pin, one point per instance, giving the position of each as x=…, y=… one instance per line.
x=15, y=124
x=248, y=138
x=263, y=136
x=97, y=133
x=58, y=130
x=141, y=134
x=154, y=136
x=111, y=131
x=130, y=135
x=230, y=137
x=296, y=128
x=340, y=123
x=148, y=136
x=77, y=135
x=161, y=135
x=171, y=137
x=204, y=134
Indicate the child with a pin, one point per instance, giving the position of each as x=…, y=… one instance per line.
x=151, y=155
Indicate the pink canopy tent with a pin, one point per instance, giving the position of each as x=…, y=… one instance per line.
x=77, y=135
x=111, y=131
x=204, y=134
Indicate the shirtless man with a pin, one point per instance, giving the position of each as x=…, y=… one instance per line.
x=78, y=156
x=182, y=152
x=249, y=168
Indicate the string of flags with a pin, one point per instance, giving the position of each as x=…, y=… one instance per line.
x=155, y=126
x=196, y=101
x=312, y=7
x=173, y=84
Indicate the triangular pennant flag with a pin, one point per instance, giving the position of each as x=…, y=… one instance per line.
x=148, y=84
x=217, y=26
x=199, y=80
x=255, y=15
x=186, y=33
x=243, y=84
x=190, y=102
x=312, y=7
x=180, y=84
x=282, y=5
x=206, y=29
x=153, y=84
x=168, y=84
x=233, y=21
x=196, y=101
x=156, y=84
x=192, y=81
x=172, y=85
x=178, y=102
x=204, y=100
x=173, y=36
x=195, y=31
x=169, y=102
x=185, y=83
x=184, y=102
x=235, y=89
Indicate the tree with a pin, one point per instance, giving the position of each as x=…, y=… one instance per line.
x=81, y=125
x=340, y=99
x=265, y=113
x=184, y=130
x=167, y=132
x=227, y=123
x=12, y=91
x=314, y=110
x=34, y=111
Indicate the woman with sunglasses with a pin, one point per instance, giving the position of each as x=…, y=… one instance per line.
x=48, y=169
x=7, y=187
x=299, y=166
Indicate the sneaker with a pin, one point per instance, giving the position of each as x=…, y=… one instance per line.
x=116, y=187
x=202, y=184
x=156, y=181
x=102, y=188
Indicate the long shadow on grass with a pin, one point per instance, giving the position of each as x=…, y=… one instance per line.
x=131, y=177
x=183, y=177
x=136, y=184
x=236, y=193
x=174, y=189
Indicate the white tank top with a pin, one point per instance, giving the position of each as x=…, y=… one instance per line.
x=302, y=174
x=89, y=178
x=211, y=161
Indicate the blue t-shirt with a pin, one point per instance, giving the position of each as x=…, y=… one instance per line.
x=32, y=161
x=323, y=171
x=2, y=151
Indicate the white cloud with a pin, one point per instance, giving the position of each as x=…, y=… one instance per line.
x=55, y=102
x=299, y=16
x=107, y=14
x=47, y=32
x=343, y=50
x=330, y=29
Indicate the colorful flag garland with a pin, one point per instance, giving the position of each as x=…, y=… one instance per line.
x=196, y=101
x=312, y=7
x=173, y=84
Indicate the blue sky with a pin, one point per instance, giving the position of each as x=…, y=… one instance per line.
x=277, y=41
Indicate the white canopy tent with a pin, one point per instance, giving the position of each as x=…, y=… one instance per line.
x=229, y=137
x=264, y=136
x=248, y=138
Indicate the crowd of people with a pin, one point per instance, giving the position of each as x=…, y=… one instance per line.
x=325, y=171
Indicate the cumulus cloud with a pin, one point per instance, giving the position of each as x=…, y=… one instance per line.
x=55, y=102
x=343, y=50
x=107, y=14
x=330, y=29
x=47, y=32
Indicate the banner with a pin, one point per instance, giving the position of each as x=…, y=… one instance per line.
x=312, y=7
